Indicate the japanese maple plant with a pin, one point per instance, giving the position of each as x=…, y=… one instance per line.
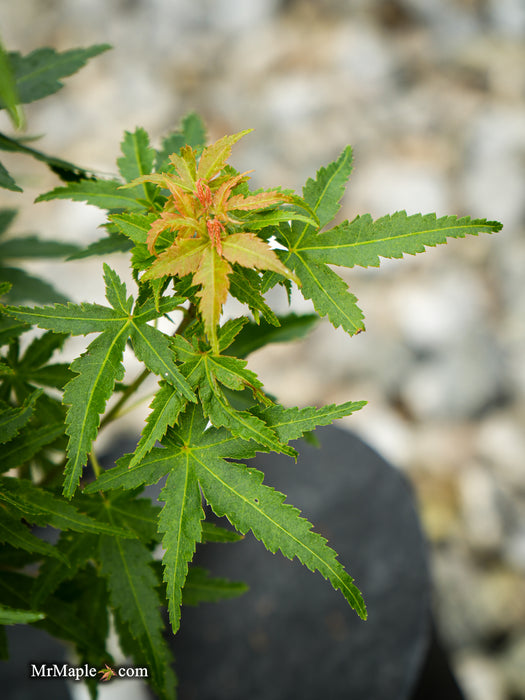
x=195, y=233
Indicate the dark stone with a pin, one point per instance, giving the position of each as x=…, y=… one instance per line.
x=28, y=644
x=292, y=635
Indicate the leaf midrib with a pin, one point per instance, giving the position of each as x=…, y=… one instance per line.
x=342, y=585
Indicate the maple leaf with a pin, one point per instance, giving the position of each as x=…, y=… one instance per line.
x=208, y=372
x=310, y=249
x=107, y=674
x=196, y=457
x=100, y=366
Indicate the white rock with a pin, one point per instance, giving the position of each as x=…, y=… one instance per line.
x=507, y=17
x=479, y=504
x=501, y=441
x=479, y=677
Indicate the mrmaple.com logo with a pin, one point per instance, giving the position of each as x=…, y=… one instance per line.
x=78, y=673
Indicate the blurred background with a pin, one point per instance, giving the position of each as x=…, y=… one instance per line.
x=431, y=95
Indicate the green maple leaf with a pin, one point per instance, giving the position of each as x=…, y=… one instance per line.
x=200, y=587
x=61, y=619
x=39, y=74
x=132, y=589
x=190, y=133
x=165, y=409
x=360, y=242
x=28, y=443
x=132, y=581
x=10, y=616
x=24, y=286
x=15, y=533
x=208, y=372
x=76, y=551
x=101, y=365
x=12, y=420
x=194, y=457
x=245, y=285
x=38, y=506
x=33, y=368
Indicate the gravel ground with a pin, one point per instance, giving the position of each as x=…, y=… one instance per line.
x=431, y=94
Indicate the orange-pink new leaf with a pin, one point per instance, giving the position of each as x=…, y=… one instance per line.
x=214, y=157
x=248, y=250
x=185, y=168
x=258, y=201
x=212, y=275
x=168, y=221
x=180, y=259
x=221, y=197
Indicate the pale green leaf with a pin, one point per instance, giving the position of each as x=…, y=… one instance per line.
x=212, y=275
x=262, y=219
x=214, y=157
x=248, y=250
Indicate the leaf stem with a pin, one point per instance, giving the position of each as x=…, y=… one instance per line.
x=131, y=389
x=97, y=469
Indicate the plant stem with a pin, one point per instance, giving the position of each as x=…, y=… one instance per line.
x=131, y=389
x=97, y=469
